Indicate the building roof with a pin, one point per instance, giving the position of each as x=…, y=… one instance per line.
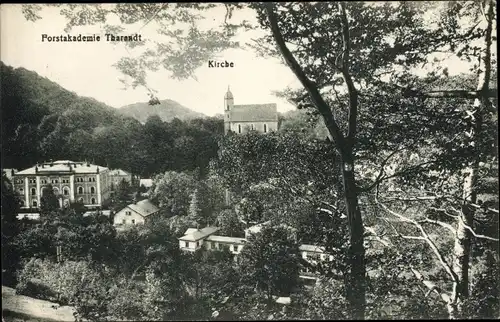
x=226, y=239
x=311, y=248
x=254, y=113
x=94, y=212
x=118, y=172
x=144, y=208
x=62, y=166
x=197, y=234
x=146, y=182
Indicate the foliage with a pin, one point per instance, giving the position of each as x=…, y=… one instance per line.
x=172, y=191
x=10, y=228
x=270, y=261
x=229, y=223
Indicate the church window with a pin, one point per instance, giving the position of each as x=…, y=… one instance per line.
x=33, y=191
x=92, y=190
x=80, y=190
x=66, y=191
x=265, y=128
x=92, y=201
x=35, y=204
x=56, y=191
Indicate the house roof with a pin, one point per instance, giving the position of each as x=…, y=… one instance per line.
x=118, y=172
x=226, y=239
x=61, y=166
x=254, y=113
x=93, y=212
x=144, y=208
x=197, y=234
x=311, y=248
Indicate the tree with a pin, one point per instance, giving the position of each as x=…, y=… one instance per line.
x=123, y=195
x=10, y=228
x=195, y=212
x=229, y=223
x=270, y=262
x=49, y=201
x=172, y=191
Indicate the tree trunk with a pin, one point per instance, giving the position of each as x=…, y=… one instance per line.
x=463, y=236
x=356, y=259
x=356, y=281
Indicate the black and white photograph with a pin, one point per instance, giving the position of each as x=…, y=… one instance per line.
x=205, y=161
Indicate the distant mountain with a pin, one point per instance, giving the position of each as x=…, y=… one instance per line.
x=167, y=110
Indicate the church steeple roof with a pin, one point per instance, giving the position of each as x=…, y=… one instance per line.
x=228, y=95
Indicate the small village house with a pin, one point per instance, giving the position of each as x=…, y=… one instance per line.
x=136, y=214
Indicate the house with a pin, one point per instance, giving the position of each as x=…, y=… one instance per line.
x=193, y=238
x=136, y=214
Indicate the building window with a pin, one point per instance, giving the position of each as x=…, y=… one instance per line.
x=22, y=203
x=128, y=213
x=21, y=190
x=80, y=190
x=265, y=128
x=133, y=221
x=92, y=190
x=92, y=201
x=239, y=128
x=35, y=204
x=44, y=181
x=33, y=191
x=66, y=191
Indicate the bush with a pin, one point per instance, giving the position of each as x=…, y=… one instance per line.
x=54, y=282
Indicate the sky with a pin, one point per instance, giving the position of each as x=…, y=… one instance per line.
x=86, y=68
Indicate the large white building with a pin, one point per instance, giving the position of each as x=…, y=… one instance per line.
x=71, y=181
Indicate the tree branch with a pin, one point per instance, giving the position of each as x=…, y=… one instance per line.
x=353, y=93
x=318, y=101
x=424, y=236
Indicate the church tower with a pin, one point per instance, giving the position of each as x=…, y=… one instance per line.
x=228, y=105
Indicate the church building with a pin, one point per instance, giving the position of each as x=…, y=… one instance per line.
x=262, y=118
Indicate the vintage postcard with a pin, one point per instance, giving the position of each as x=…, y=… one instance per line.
x=249, y=161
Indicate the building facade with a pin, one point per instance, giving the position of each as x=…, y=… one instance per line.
x=136, y=214
x=71, y=182
x=262, y=118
